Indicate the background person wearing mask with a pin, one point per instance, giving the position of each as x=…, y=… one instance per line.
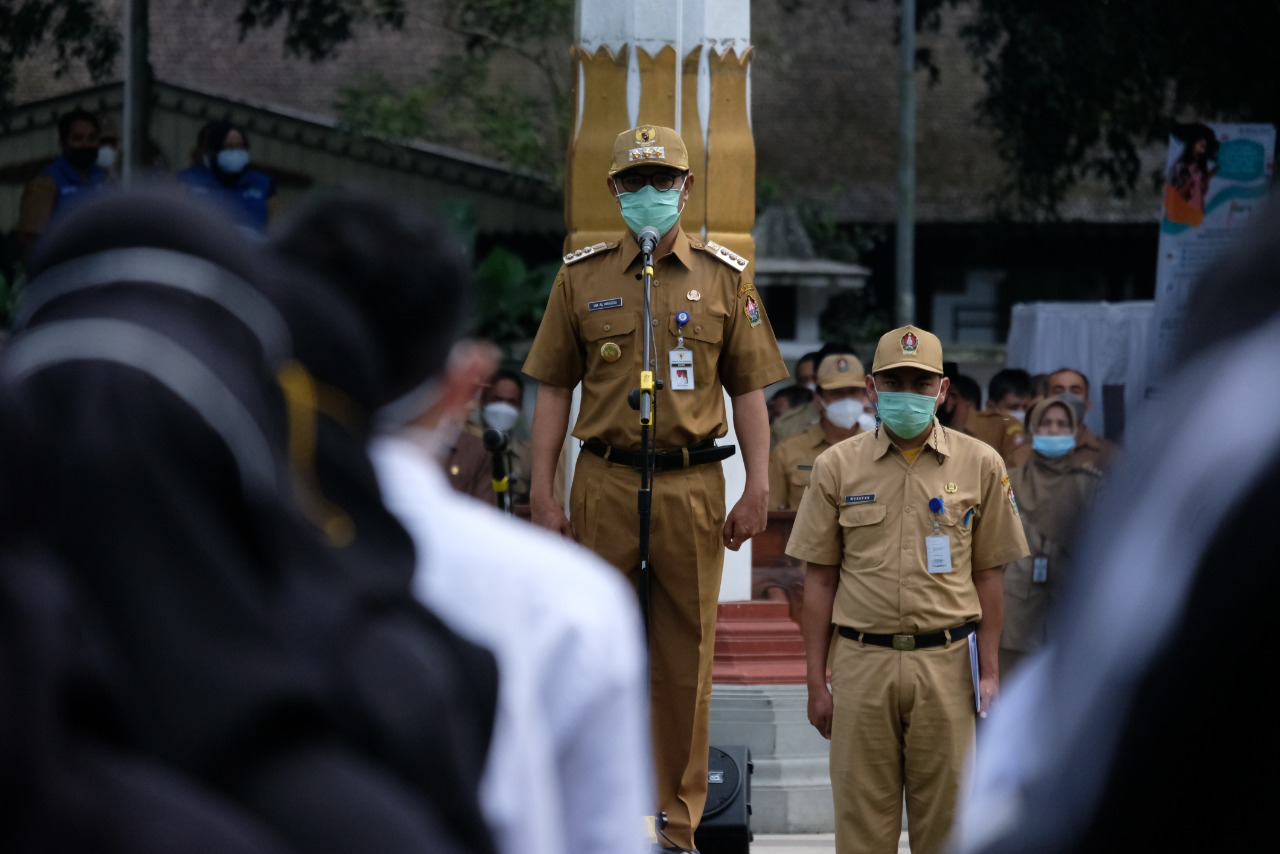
x=225, y=177
x=841, y=399
x=1053, y=493
x=69, y=179
x=1073, y=386
x=1010, y=393
x=962, y=411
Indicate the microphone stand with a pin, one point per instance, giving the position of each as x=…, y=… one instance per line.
x=647, y=404
x=496, y=443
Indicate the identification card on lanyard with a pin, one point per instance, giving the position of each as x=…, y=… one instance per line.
x=681, y=358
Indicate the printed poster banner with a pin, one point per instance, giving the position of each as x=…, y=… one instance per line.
x=1216, y=177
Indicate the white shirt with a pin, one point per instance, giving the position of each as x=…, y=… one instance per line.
x=569, y=767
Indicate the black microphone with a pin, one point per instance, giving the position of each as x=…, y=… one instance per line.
x=648, y=239
x=495, y=441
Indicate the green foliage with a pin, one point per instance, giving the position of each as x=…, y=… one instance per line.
x=80, y=31
x=851, y=317
x=455, y=106
x=315, y=29
x=1075, y=90
x=510, y=298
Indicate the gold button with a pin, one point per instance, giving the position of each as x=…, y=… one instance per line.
x=655, y=323
x=608, y=327
x=610, y=352
x=697, y=329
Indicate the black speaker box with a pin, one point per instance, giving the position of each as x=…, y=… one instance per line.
x=726, y=821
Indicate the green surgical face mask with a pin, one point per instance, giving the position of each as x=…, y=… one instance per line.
x=906, y=414
x=647, y=206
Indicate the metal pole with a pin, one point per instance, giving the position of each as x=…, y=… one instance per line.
x=137, y=94
x=905, y=256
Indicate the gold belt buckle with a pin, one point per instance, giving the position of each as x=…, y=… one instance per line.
x=904, y=643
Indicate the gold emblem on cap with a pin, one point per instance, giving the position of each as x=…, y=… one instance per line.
x=951, y=488
x=610, y=351
x=646, y=134
x=694, y=295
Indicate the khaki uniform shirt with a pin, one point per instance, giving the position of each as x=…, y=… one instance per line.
x=867, y=511
x=591, y=333
x=1001, y=432
x=793, y=422
x=1093, y=451
x=790, y=464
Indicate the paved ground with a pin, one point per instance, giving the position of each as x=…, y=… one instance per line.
x=804, y=843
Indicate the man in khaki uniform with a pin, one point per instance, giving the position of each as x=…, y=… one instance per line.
x=1091, y=449
x=963, y=412
x=904, y=530
x=841, y=398
x=710, y=336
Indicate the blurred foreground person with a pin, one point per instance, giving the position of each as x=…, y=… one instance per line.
x=569, y=769
x=1133, y=730
x=174, y=481
x=1053, y=494
x=71, y=779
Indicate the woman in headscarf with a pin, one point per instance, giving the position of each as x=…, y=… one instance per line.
x=224, y=176
x=1052, y=493
x=151, y=355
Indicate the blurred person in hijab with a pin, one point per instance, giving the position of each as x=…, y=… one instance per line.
x=171, y=479
x=1053, y=494
x=224, y=176
x=1133, y=730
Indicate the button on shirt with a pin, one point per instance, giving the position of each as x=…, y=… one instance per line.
x=867, y=511
x=599, y=301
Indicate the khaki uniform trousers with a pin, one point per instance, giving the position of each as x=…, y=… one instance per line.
x=902, y=720
x=686, y=556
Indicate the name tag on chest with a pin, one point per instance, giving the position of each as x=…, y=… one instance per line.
x=616, y=302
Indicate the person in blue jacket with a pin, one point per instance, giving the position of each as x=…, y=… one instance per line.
x=73, y=176
x=225, y=177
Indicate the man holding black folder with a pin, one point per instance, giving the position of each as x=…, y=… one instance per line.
x=709, y=335
x=904, y=531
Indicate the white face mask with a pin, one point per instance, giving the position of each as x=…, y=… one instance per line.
x=844, y=413
x=867, y=420
x=500, y=415
x=1019, y=415
x=106, y=156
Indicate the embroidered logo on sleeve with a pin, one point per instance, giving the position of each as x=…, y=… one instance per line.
x=752, y=310
x=860, y=499
x=616, y=302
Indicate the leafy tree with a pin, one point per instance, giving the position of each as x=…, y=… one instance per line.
x=79, y=30
x=510, y=298
x=315, y=29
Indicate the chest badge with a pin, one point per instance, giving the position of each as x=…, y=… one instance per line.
x=950, y=488
x=610, y=351
x=694, y=295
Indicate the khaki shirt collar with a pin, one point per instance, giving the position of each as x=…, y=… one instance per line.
x=1088, y=439
x=629, y=251
x=937, y=440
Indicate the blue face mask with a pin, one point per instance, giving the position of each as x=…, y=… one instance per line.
x=647, y=206
x=1052, y=446
x=233, y=160
x=904, y=413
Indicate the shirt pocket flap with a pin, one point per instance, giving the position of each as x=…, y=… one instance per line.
x=701, y=327
x=857, y=516
x=611, y=325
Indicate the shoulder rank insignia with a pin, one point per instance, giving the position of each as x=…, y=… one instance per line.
x=745, y=288
x=586, y=252
x=1089, y=468
x=729, y=257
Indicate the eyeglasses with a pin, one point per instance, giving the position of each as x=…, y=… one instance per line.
x=633, y=182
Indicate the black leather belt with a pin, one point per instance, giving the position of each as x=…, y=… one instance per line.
x=909, y=642
x=694, y=455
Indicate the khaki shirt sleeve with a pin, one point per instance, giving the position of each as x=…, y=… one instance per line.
x=998, y=537
x=750, y=359
x=39, y=197
x=816, y=536
x=556, y=355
